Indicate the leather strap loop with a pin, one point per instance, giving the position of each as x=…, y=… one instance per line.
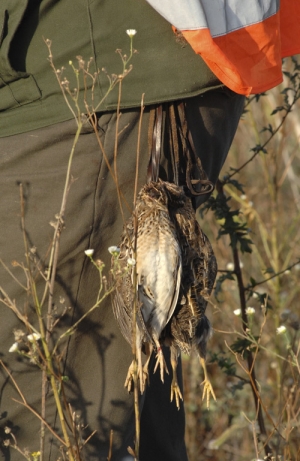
x=187, y=166
x=194, y=172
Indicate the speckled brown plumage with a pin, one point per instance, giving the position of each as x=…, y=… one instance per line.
x=189, y=327
x=176, y=270
x=158, y=269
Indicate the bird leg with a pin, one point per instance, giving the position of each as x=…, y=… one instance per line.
x=149, y=349
x=207, y=389
x=175, y=389
x=160, y=360
x=142, y=371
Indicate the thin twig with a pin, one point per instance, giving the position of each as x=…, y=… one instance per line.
x=260, y=148
x=249, y=355
x=110, y=445
x=25, y=404
x=136, y=303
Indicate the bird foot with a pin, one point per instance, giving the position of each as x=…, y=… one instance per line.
x=160, y=360
x=207, y=390
x=176, y=392
x=143, y=376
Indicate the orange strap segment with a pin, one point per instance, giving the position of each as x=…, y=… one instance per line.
x=248, y=60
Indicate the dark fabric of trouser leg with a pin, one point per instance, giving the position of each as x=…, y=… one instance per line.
x=213, y=118
x=98, y=357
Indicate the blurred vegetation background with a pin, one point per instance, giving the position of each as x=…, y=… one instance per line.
x=257, y=412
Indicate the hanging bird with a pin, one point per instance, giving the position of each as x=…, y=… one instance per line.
x=189, y=328
x=158, y=275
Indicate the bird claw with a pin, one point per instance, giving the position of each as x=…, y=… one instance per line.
x=146, y=374
x=129, y=379
x=207, y=390
x=175, y=391
x=160, y=360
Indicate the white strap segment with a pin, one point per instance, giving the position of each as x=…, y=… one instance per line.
x=219, y=16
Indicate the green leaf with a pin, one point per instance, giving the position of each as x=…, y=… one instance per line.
x=269, y=270
x=243, y=345
x=278, y=109
x=226, y=276
x=245, y=245
x=237, y=387
x=224, y=363
x=252, y=281
x=236, y=184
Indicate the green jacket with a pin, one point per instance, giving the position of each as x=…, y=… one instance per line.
x=164, y=67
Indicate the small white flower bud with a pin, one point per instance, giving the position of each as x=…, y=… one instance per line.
x=131, y=262
x=237, y=312
x=33, y=337
x=114, y=250
x=131, y=32
x=280, y=330
x=230, y=266
x=13, y=348
x=250, y=310
x=89, y=252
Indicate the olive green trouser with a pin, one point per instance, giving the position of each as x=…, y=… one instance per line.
x=97, y=356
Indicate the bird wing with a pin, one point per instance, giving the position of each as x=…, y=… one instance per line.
x=122, y=301
x=205, y=264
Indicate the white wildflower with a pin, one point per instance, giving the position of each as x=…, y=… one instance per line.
x=13, y=348
x=131, y=32
x=33, y=337
x=281, y=329
x=237, y=312
x=89, y=252
x=250, y=310
x=243, y=196
x=230, y=266
x=114, y=250
x=131, y=262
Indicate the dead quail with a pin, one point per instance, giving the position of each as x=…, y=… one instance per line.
x=159, y=271
x=189, y=328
